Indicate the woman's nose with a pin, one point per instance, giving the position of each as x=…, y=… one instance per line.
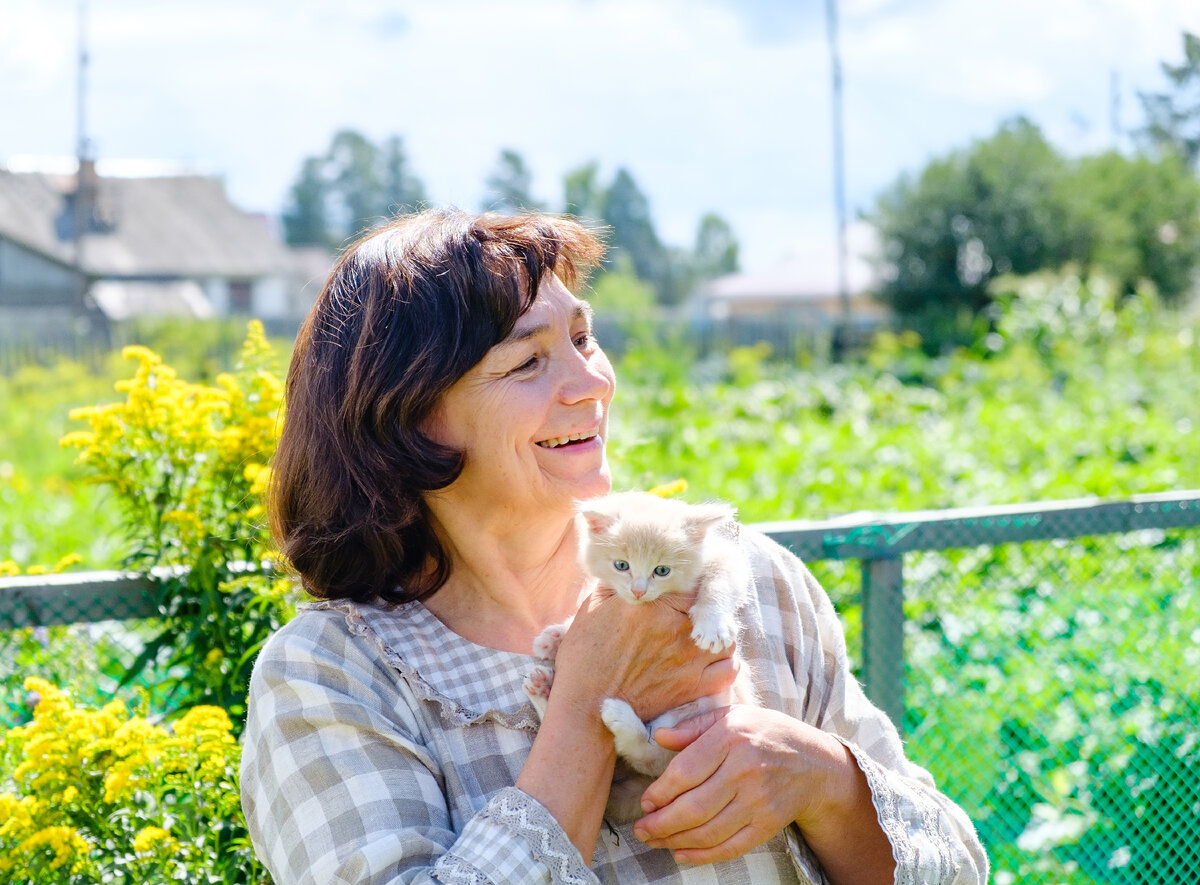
x=590, y=378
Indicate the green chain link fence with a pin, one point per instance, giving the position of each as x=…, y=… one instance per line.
x=1043, y=661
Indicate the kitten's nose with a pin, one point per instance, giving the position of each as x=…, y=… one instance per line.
x=639, y=589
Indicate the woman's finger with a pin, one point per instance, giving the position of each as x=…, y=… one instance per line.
x=680, y=736
x=738, y=844
x=686, y=772
x=718, y=821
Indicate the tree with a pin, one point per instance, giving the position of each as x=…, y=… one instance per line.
x=635, y=248
x=353, y=165
x=1137, y=219
x=306, y=221
x=508, y=187
x=402, y=191
x=1013, y=204
x=1173, y=117
x=997, y=207
x=583, y=195
x=349, y=189
x=716, y=252
x=627, y=214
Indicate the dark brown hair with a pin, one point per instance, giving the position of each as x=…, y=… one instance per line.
x=405, y=313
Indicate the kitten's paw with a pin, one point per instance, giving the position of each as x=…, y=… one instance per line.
x=545, y=647
x=627, y=730
x=537, y=683
x=713, y=630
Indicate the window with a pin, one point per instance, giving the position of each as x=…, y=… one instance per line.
x=241, y=296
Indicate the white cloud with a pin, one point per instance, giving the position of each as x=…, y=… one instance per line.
x=708, y=107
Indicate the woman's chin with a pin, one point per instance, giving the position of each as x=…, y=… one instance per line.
x=584, y=488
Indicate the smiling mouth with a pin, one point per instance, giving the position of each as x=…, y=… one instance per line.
x=573, y=439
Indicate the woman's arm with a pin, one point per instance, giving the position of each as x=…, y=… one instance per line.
x=752, y=772
x=339, y=786
x=643, y=654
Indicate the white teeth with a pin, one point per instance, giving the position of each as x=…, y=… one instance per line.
x=563, y=440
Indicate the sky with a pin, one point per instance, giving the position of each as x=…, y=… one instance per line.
x=712, y=105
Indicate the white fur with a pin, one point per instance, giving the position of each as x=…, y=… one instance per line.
x=643, y=533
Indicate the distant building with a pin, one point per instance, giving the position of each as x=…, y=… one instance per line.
x=78, y=251
x=799, y=296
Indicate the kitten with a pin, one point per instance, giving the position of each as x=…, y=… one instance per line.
x=640, y=547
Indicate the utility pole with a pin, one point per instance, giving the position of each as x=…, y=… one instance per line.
x=842, y=329
x=83, y=205
x=1114, y=108
x=80, y=206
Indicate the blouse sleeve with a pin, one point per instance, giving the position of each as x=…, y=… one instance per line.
x=933, y=841
x=338, y=788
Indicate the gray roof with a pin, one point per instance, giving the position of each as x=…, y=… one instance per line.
x=166, y=226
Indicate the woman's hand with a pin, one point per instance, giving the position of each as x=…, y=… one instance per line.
x=643, y=654
x=743, y=774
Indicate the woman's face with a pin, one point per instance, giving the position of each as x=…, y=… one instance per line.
x=532, y=416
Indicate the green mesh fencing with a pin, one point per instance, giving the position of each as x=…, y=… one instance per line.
x=1043, y=662
x=1052, y=687
x=83, y=631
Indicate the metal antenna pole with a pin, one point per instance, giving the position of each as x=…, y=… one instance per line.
x=839, y=172
x=82, y=148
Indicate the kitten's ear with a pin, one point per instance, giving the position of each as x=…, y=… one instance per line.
x=598, y=522
x=702, y=517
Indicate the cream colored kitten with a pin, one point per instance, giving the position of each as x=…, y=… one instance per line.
x=640, y=547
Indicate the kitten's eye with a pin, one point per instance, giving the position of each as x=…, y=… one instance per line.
x=621, y=565
x=662, y=571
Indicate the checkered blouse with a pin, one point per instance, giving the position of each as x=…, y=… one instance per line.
x=382, y=748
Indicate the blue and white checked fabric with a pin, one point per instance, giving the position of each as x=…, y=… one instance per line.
x=381, y=747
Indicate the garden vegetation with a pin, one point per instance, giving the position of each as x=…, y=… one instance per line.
x=1076, y=391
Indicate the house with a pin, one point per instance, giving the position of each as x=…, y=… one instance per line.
x=79, y=251
x=800, y=297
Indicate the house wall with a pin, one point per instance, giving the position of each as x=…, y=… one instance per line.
x=30, y=280
x=268, y=296
x=271, y=298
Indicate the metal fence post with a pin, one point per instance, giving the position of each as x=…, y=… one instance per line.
x=883, y=634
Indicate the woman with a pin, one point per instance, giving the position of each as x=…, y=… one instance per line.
x=446, y=406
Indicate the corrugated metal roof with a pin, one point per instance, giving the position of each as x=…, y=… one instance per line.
x=168, y=226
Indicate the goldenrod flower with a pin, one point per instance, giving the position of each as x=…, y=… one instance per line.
x=63, y=842
x=666, y=490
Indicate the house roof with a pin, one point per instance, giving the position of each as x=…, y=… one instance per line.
x=163, y=226
x=808, y=275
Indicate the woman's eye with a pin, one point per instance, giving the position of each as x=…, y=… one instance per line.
x=585, y=339
x=662, y=571
x=621, y=565
x=528, y=365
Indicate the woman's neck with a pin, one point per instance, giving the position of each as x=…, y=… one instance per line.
x=503, y=589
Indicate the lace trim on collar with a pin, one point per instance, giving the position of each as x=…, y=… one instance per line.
x=453, y=712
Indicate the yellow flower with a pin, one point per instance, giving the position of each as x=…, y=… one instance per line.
x=64, y=842
x=666, y=490
x=9, y=568
x=80, y=438
x=150, y=838
x=67, y=561
x=144, y=355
